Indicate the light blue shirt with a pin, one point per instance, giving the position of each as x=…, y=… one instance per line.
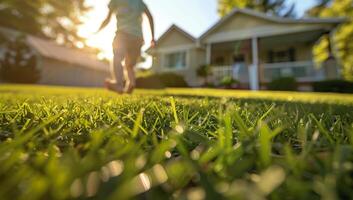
x=128, y=15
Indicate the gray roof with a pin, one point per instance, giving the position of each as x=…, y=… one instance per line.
x=50, y=49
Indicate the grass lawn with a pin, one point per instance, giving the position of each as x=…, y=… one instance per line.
x=68, y=143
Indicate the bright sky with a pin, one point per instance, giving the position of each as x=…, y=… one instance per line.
x=194, y=16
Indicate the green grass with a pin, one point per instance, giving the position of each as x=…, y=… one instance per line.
x=61, y=143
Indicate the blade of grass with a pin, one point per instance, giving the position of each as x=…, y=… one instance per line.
x=322, y=129
x=137, y=123
x=172, y=102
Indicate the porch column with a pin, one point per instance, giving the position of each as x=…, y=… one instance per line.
x=254, y=68
x=208, y=53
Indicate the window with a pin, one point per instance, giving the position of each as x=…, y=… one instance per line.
x=176, y=60
x=282, y=56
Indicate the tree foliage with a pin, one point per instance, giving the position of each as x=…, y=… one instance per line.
x=56, y=19
x=273, y=7
x=342, y=39
x=318, y=8
x=19, y=63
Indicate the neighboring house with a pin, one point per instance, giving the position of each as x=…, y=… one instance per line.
x=249, y=46
x=64, y=66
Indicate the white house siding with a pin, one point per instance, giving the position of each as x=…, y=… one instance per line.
x=55, y=72
x=176, y=41
x=189, y=72
x=240, y=22
x=196, y=59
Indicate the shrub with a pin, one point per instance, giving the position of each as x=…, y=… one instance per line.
x=172, y=80
x=339, y=86
x=149, y=82
x=209, y=85
x=228, y=82
x=159, y=81
x=283, y=84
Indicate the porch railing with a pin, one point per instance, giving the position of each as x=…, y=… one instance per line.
x=241, y=74
x=303, y=71
x=220, y=72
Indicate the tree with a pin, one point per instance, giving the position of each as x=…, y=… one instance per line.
x=318, y=8
x=19, y=64
x=272, y=7
x=342, y=39
x=54, y=19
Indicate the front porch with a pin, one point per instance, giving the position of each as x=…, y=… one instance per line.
x=257, y=61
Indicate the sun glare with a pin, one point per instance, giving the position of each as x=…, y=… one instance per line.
x=103, y=40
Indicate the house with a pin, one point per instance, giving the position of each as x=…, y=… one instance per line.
x=251, y=47
x=63, y=66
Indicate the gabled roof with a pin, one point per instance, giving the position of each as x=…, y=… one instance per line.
x=171, y=29
x=276, y=19
x=50, y=49
x=178, y=29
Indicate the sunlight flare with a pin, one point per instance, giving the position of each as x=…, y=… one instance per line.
x=103, y=40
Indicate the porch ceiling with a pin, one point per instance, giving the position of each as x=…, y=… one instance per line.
x=295, y=38
x=287, y=39
x=227, y=45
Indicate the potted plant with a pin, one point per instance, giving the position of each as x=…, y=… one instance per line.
x=205, y=71
x=229, y=82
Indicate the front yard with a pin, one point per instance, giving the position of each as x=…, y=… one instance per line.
x=64, y=143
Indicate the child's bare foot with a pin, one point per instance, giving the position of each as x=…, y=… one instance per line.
x=129, y=88
x=112, y=86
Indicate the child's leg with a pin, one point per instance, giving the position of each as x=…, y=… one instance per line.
x=130, y=62
x=118, y=70
x=117, y=83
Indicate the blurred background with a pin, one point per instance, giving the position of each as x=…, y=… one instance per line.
x=54, y=43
